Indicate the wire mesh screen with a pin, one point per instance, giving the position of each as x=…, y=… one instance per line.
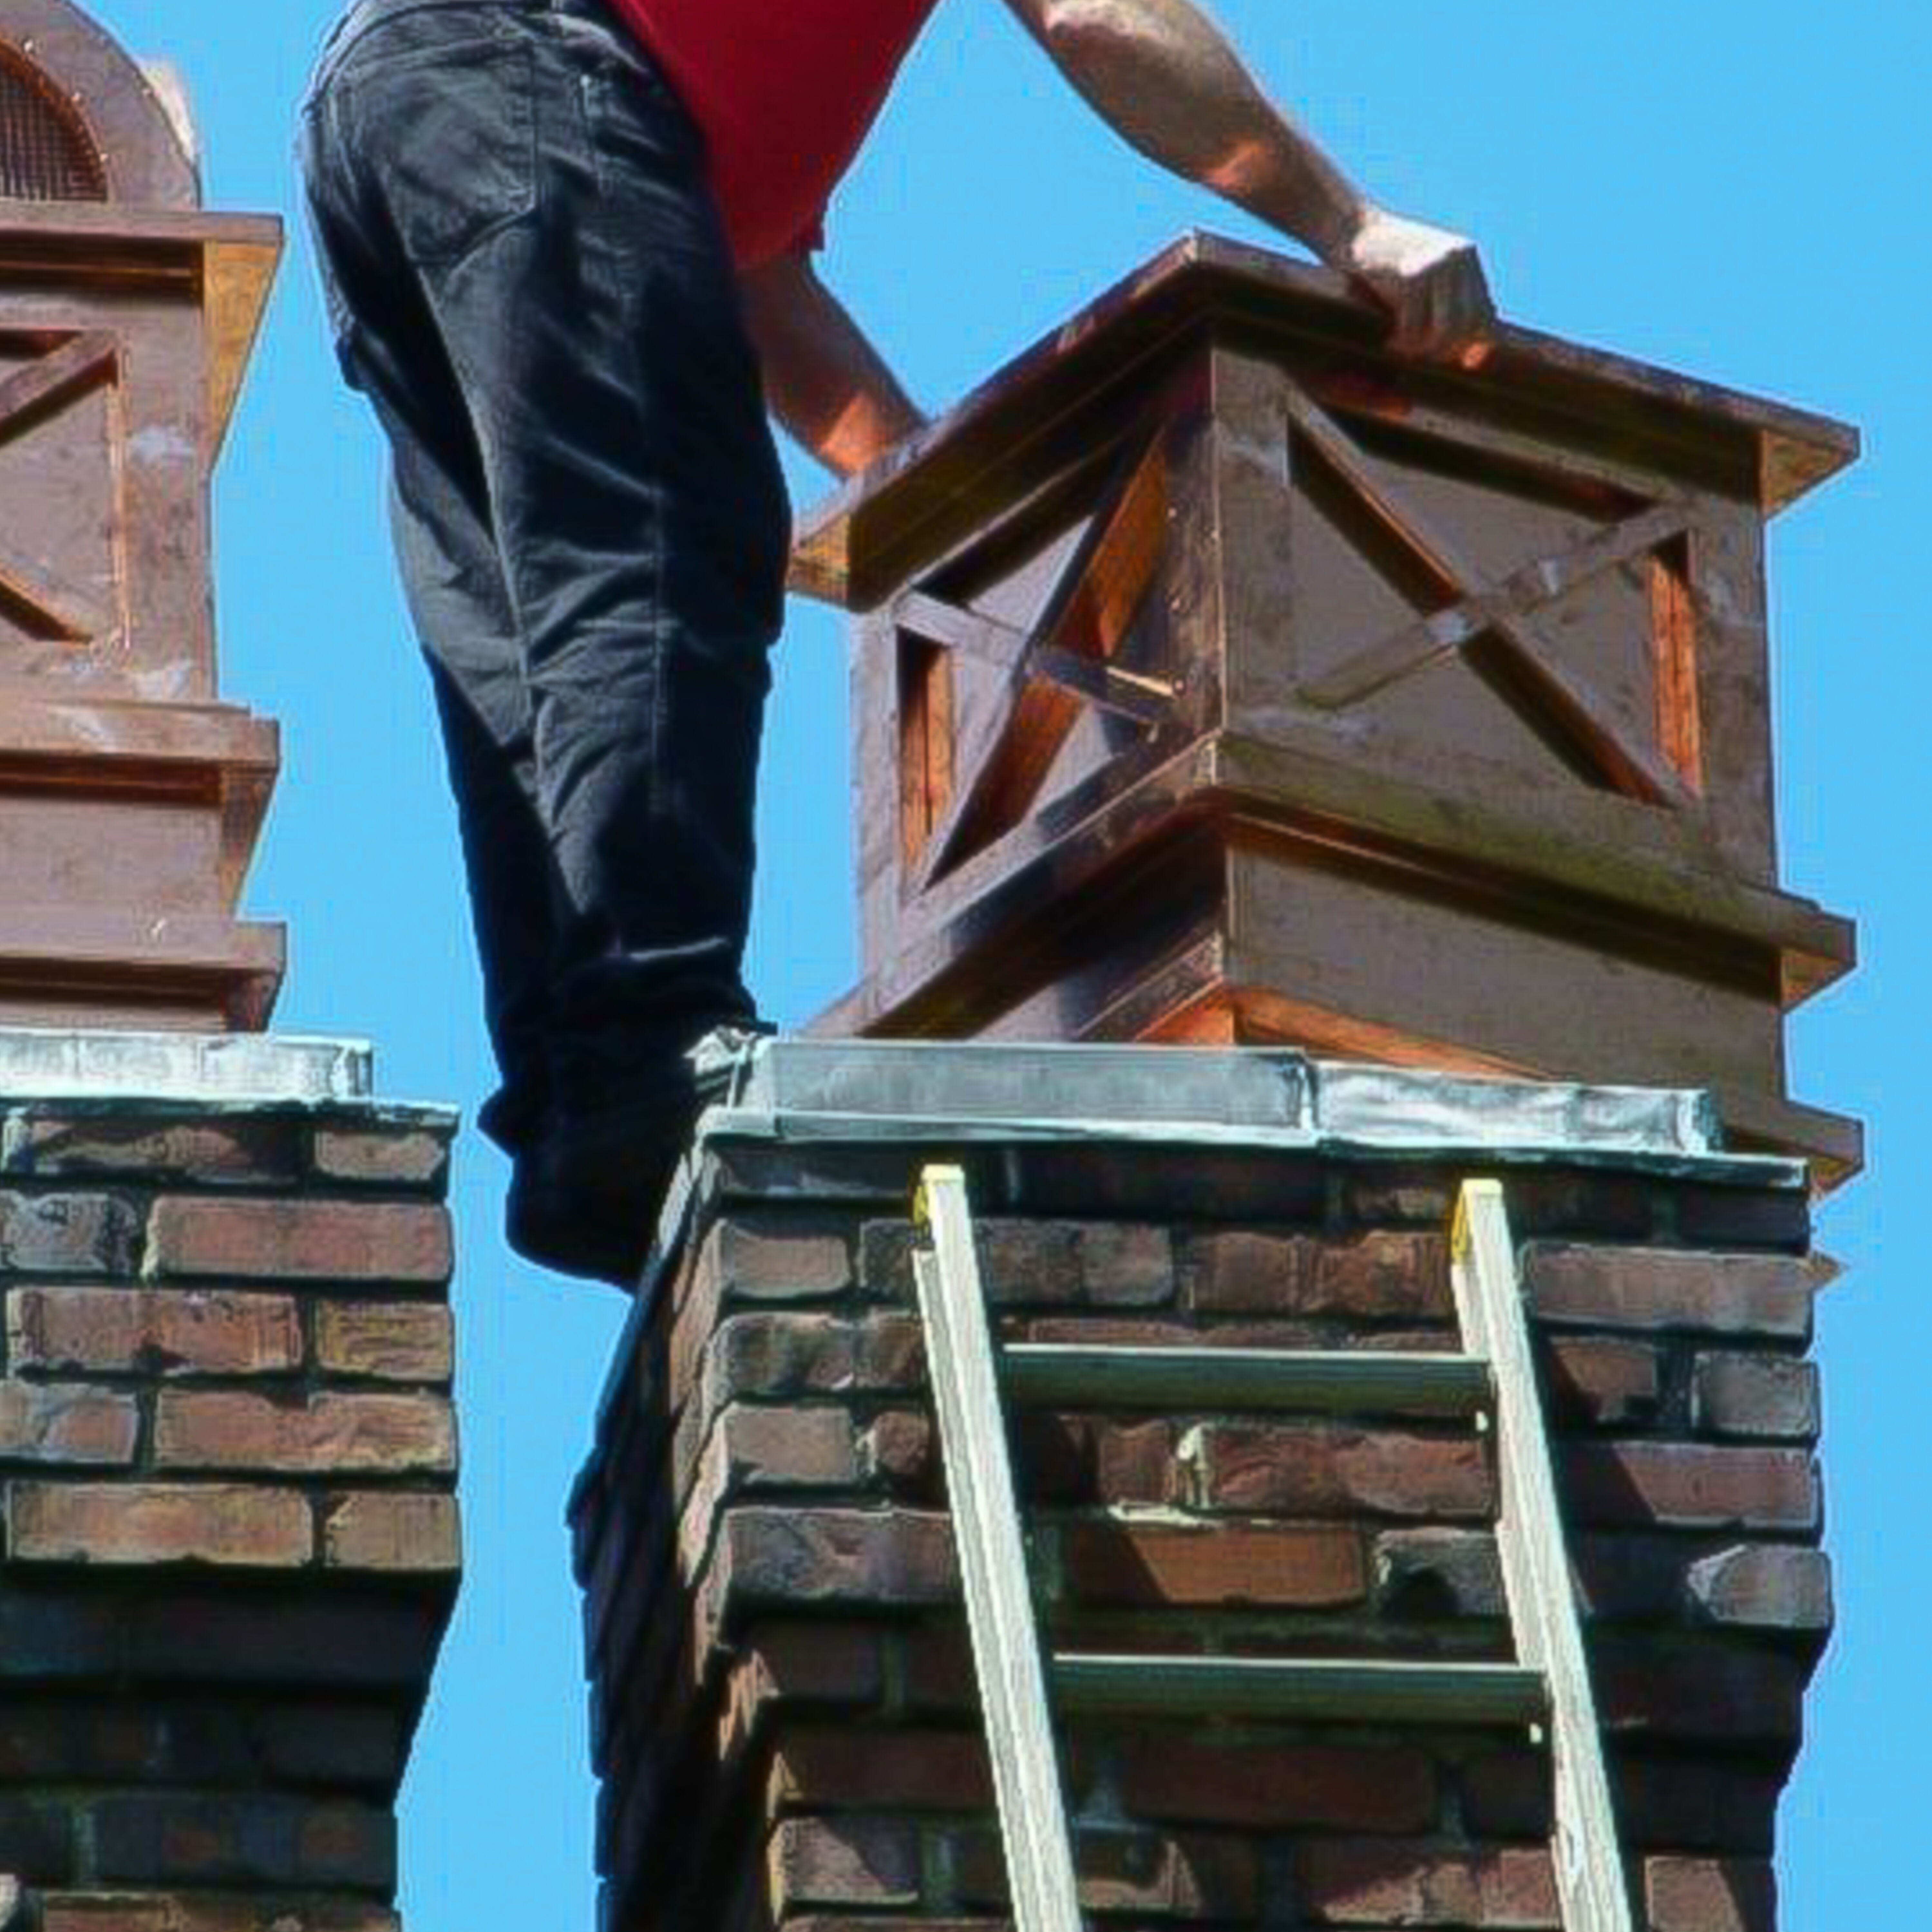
x=45, y=153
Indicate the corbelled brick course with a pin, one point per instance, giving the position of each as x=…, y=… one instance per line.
x=772, y=1601
x=230, y=1545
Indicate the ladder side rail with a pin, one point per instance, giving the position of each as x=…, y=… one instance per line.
x=1007, y=1658
x=1591, y=1886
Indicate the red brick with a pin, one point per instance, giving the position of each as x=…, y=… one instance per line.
x=901, y=1451
x=68, y=1233
x=381, y=1157
x=1694, y=1805
x=1135, y=1463
x=767, y=1358
x=1172, y=1779
x=1688, y=1804
x=167, y=1839
x=1609, y=1206
x=788, y=1448
x=123, y=1911
x=143, y=1524
x=1355, y=1883
x=392, y=1533
x=797, y=1556
x=1126, y=1563
x=1704, y=1895
x=818, y=1661
x=334, y=1641
x=1428, y=1575
x=44, y=1423
x=1390, y=1195
x=153, y=1332
x=1763, y=1586
x=220, y=1149
x=1689, y=1486
x=1330, y=1470
x=804, y=1260
x=300, y=1241
x=1703, y=1692
x=1377, y=1276
x=119, y=1739
x=844, y=1861
x=1139, y=1873
x=393, y=1342
x=1743, y=1217
x=812, y=1664
x=1656, y=1288
x=754, y=1450
x=1771, y=1398
x=1595, y=1380
x=1507, y=1794
x=382, y=1435
x=1042, y=1263
x=847, y=1768
x=936, y=1669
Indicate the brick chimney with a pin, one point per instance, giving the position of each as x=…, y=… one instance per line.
x=784, y=1714
x=229, y=1454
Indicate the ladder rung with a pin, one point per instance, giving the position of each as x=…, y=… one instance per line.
x=1328, y=1381
x=1321, y=1691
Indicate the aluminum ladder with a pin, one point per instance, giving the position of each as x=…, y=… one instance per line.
x=974, y=1378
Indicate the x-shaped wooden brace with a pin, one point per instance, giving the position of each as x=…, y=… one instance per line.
x=1061, y=664
x=26, y=395
x=1505, y=611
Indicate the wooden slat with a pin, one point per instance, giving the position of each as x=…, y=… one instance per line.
x=51, y=379
x=1321, y=1691
x=992, y=1561
x=65, y=612
x=1094, y=602
x=1332, y=1382
x=1520, y=594
x=1638, y=769
x=1142, y=700
x=1536, y=1569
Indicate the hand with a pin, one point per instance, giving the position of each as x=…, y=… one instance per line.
x=1431, y=282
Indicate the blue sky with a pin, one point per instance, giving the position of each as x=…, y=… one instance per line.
x=1736, y=192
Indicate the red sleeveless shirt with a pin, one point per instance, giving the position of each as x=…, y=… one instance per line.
x=786, y=91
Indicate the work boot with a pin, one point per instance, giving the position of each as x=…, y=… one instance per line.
x=586, y=1198
x=585, y=1201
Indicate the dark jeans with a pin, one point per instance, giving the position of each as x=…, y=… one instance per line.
x=528, y=276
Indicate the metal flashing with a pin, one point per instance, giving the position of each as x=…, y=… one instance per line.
x=45, y=1063
x=865, y=1092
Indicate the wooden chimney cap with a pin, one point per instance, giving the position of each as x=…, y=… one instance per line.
x=861, y=542
x=95, y=177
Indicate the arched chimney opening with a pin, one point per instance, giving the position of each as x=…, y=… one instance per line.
x=46, y=153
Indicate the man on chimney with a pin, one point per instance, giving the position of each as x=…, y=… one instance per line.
x=568, y=248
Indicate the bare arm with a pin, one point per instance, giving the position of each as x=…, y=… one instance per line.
x=825, y=382
x=1164, y=78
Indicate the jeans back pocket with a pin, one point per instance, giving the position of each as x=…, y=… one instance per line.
x=450, y=133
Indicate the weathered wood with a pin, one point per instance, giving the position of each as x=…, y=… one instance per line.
x=877, y=523
x=1143, y=700
x=132, y=799
x=1476, y=668
x=1005, y=754
x=1634, y=765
